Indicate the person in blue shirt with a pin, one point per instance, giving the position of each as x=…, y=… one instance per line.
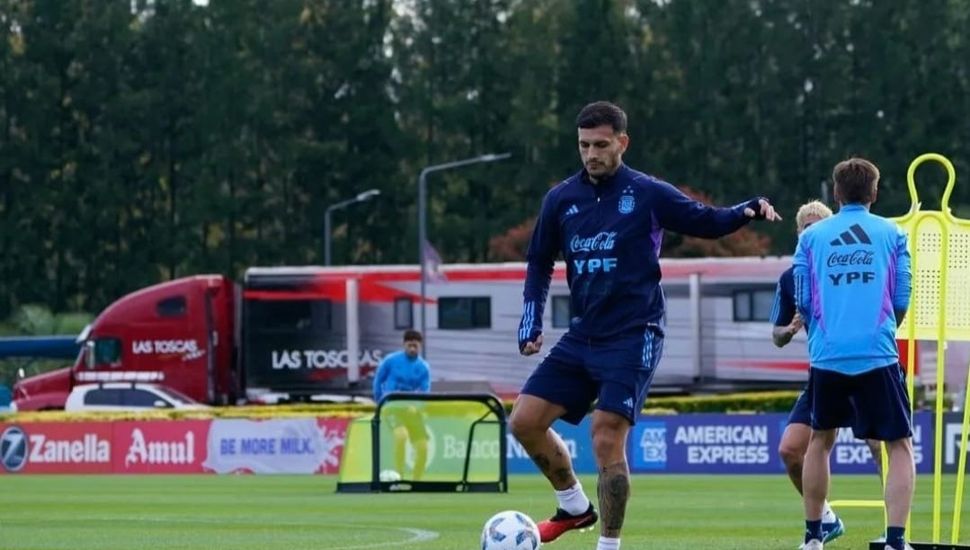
x=406, y=371
x=852, y=288
x=786, y=324
x=607, y=221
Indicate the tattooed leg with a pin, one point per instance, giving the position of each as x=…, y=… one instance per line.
x=613, y=489
x=554, y=461
x=529, y=423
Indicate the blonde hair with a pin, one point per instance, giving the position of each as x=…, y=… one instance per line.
x=811, y=208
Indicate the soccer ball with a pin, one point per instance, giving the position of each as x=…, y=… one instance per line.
x=510, y=530
x=389, y=476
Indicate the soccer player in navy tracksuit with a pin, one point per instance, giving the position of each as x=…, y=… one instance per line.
x=607, y=221
x=787, y=322
x=852, y=287
x=406, y=371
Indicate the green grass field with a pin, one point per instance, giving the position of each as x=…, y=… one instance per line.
x=302, y=512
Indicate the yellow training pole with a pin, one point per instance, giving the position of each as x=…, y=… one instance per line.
x=940, y=387
x=910, y=364
x=910, y=316
x=941, y=332
x=962, y=464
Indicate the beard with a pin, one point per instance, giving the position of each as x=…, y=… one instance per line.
x=599, y=169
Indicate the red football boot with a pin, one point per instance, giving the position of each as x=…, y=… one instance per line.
x=552, y=528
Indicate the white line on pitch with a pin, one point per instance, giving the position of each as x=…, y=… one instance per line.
x=417, y=535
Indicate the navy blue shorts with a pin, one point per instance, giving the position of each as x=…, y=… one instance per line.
x=615, y=372
x=801, y=412
x=874, y=403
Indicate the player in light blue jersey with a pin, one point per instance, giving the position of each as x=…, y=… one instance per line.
x=406, y=371
x=787, y=323
x=852, y=288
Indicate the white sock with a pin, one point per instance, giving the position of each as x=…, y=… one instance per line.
x=828, y=515
x=573, y=500
x=606, y=543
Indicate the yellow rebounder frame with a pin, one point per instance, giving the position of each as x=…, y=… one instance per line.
x=939, y=310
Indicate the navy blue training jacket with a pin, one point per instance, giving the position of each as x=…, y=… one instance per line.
x=609, y=234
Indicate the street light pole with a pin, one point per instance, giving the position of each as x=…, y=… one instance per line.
x=423, y=218
x=360, y=197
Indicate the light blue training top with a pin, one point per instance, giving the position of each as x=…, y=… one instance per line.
x=852, y=288
x=398, y=372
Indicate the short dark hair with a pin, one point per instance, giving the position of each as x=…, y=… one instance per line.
x=412, y=334
x=855, y=180
x=601, y=113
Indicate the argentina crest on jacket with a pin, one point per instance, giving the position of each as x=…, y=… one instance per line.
x=627, y=202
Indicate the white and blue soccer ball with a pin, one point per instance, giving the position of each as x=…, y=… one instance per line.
x=510, y=530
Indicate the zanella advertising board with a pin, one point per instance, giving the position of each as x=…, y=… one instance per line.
x=51, y=448
x=299, y=445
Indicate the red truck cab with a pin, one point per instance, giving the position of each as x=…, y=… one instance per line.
x=179, y=334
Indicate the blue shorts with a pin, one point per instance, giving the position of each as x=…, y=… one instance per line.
x=801, y=412
x=874, y=403
x=615, y=372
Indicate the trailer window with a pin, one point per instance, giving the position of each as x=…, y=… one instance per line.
x=171, y=307
x=753, y=305
x=403, y=313
x=561, y=311
x=464, y=313
x=289, y=315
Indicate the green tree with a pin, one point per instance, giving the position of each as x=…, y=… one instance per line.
x=141, y=141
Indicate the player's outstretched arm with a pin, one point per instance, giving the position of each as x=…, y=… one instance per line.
x=676, y=211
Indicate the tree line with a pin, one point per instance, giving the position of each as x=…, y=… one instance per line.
x=142, y=140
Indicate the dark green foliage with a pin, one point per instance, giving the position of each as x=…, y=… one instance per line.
x=141, y=141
